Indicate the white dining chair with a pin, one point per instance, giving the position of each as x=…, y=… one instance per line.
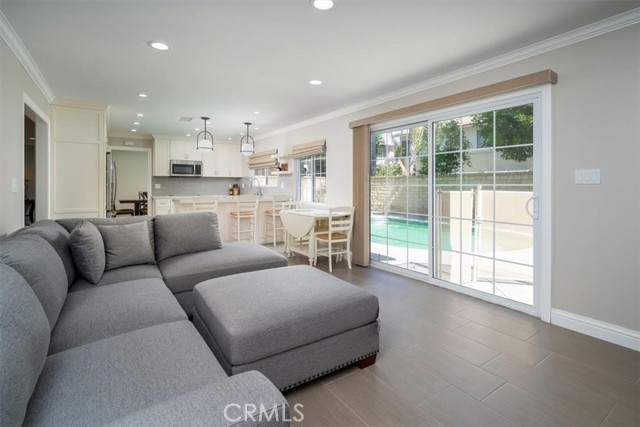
x=336, y=240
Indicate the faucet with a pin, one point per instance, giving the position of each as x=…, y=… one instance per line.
x=259, y=192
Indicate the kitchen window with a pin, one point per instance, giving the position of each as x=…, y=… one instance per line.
x=312, y=178
x=267, y=177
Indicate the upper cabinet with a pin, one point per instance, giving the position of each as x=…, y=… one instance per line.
x=184, y=150
x=161, y=152
x=224, y=161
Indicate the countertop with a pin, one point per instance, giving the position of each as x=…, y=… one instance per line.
x=221, y=198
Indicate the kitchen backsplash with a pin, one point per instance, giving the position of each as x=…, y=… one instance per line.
x=183, y=186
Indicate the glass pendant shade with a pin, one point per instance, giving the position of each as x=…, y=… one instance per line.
x=205, y=145
x=246, y=149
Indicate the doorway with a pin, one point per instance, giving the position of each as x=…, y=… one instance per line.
x=131, y=178
x=36, y=163
x=454, y=199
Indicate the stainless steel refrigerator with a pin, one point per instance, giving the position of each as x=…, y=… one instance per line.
x=112, y=186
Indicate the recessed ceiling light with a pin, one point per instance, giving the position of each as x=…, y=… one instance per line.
x=142, y=95
x=256, y=112
x=208, y=122
x=136, y=123
x=323, y=4
x=315, y=82
x=188, y=134
x=197, y=129
x=256, y=128
x=230, y=139
x=241, y=133
x=159, y=45
x=140, y=115
x=133, y=130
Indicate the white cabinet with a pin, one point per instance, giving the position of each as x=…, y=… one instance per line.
x=162, y=206
x=224, y=161
x=185, y=150
x=161, y=157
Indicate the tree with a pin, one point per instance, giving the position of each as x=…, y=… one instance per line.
x=514, y=126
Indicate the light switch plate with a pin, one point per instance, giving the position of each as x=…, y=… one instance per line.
x=14, y=185
x=587, y=176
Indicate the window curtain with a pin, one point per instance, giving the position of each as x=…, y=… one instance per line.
x=264, y=159
x=313, y=148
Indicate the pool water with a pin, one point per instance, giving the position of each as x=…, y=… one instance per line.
x=399, y=232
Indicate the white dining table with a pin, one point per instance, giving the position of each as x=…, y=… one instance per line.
x=300, y=224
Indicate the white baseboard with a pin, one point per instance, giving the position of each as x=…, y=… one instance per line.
x=596, y=328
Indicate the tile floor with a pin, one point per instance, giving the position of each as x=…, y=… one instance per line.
x=451, y=360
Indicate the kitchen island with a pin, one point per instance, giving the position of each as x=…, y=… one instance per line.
x=163, y=205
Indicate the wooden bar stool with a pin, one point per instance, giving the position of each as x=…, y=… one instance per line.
x=246, y=211
x=273, y=223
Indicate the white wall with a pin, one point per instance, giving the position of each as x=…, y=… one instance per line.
x=596, y=229
x=14, y=82
x=133, y=174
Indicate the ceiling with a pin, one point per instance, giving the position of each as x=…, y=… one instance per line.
x=230, y=58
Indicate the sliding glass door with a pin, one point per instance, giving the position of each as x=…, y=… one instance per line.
x=453, y=199
x=400, y=197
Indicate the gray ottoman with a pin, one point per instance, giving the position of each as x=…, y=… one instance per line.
x=293, y=324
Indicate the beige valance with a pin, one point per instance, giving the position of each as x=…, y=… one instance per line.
x=264, y=159
x=313, y=148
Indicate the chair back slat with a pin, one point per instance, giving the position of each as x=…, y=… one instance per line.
x=341, y=220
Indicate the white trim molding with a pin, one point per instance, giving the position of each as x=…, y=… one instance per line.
x=595, y=29
x=18, y=48
x=595, y=328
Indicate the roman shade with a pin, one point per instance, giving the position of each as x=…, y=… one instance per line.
x=264, y=159
x=313, y=148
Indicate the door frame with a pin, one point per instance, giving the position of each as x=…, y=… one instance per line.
x=149, y=152
x=543, y=257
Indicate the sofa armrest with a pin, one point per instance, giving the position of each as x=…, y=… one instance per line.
x=219, y=404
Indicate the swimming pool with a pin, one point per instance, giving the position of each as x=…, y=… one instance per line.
x=404, y=232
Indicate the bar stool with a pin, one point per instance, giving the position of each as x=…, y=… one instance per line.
x=204, y=204
x=246, y=211
x=273, y=223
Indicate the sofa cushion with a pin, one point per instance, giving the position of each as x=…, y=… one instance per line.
x=180, y=234
x=70, y=223
x=108, y=379
x=41, y=267
x=124, y=274
x=255, y=315
x=24, y=338
x=182, y=273
x=111, y=310
x=58, y=237
x=126, y=244
x=87, y=248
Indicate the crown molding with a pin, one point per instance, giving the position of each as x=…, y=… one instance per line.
x=595, y=29
x=74, y=103
x=18, y=48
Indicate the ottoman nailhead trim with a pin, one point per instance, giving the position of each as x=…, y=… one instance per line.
x=335, y=368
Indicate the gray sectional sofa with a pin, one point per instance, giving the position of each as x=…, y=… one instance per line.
x=120, y=351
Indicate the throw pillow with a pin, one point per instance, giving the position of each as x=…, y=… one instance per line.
x=87, y=248
x=126, y=244
x=179, y=234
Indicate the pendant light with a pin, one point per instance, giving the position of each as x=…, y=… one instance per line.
x=204, y=140
x=247, y=143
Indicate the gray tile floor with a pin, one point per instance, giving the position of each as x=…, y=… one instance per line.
x=451, y=360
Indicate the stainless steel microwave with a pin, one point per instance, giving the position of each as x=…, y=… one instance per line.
x=186, y=168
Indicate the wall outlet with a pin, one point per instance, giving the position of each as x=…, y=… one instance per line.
x=14, y=185
x=587, y=176
x=158, y=186
x=282, y=185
